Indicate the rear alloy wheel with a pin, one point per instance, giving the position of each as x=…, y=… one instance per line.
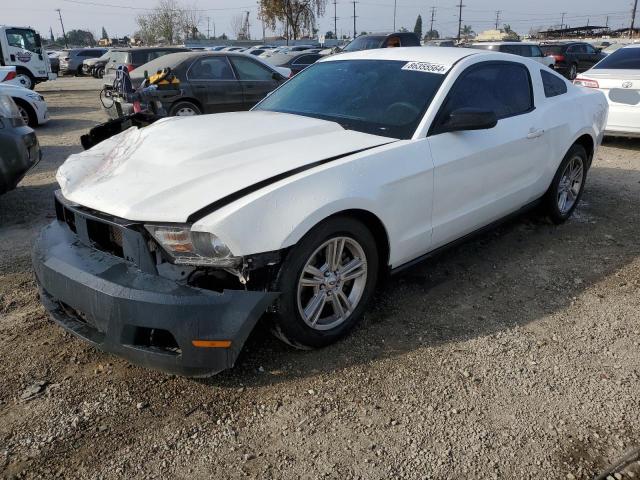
x=326, y=282
x=567, y=186
x=184, y=109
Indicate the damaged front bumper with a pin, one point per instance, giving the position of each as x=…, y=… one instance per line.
x=148, y=319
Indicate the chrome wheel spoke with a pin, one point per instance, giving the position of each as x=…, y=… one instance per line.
x=352, y=270
x=338, y=309
x=314, y=308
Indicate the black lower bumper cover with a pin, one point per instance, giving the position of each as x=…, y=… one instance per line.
x=107, y=301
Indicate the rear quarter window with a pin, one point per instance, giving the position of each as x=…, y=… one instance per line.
x=553, y=86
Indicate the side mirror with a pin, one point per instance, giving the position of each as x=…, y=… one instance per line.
x=469, y=119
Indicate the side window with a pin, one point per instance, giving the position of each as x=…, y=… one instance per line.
x=249, y=70
x=535, y=51
x=211, y=68
x=306, y=60
x=503, y=88
x=553, y=86
x=590, y=50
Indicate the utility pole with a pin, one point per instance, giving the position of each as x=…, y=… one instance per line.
x=460, y=5
x=395, y=6
x=633, y=18
x=355, y=34
x=498, y=18
x=208, y=29
x=433, y=17
x=562, y=21
x=66, y=44
x=607, y=22
x=335, y=18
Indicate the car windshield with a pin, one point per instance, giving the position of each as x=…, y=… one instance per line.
x=622, y=59
x=364, y=43
x=370, y=96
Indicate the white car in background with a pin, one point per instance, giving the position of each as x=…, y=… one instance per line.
x=618, y=77
x=171, y=241
x=31, y=105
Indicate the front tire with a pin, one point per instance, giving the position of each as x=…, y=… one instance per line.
x=567, y=186
x=326, y=282
x=26, y=112
x=25, y=79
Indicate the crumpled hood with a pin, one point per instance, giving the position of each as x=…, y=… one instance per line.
x=177, y=166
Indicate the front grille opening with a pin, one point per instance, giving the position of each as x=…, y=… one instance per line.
x=156, y=339
x=105, y=237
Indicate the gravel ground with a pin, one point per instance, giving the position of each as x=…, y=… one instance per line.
x=515, y=355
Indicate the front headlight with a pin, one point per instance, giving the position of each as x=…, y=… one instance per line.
x=193, y=248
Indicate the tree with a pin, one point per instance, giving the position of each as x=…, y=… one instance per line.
x=432, y=35
x=467, y=32
x=329, y=35
x=403, y=29
x=223, y=37
x=191, y=18
x=165, y=22
x=51, y=37
x=362, y=33
x=296, y=15
x=79, y=38
x=104, y=34
x=417, y=29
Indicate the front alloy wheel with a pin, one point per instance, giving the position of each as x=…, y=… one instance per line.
x=325, y=282
x=332, y=283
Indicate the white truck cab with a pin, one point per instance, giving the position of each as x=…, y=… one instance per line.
x=21, y=47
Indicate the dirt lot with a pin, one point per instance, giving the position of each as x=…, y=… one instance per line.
x=513, y=356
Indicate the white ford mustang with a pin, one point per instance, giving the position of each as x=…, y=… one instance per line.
x=173, y=240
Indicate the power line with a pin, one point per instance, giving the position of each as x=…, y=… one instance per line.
x=633, y=18
x=110, y=5
x=460, y=5
x=354, y=19
x=62, y=25
x=395, y=6
x=433, y=17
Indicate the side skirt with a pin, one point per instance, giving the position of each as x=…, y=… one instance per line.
x=528, y=207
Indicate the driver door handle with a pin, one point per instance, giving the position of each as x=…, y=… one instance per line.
x=535, y=134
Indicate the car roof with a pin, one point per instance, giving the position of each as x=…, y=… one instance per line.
x=632, y=45
x=443, y=55
x=149, y=49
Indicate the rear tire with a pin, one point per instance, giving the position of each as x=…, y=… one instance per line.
x=573, y=71
x=25, y=79
x=324, y=293
x=184, y=109
x=567, y=186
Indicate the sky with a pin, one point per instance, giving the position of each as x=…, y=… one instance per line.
x=118, y=16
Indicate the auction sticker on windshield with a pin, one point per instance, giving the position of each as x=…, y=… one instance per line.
x=426, y=67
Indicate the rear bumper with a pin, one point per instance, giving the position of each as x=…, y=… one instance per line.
x=110, y=303
x=20, y=152
x=623, y=120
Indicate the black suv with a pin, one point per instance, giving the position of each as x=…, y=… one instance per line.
x=572, y=57
x=383, y=40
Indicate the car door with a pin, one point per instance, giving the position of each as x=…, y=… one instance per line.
x=482, y=175
x=581, y=57
x=24, y=49
x=256, y=79
x=214, y=84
